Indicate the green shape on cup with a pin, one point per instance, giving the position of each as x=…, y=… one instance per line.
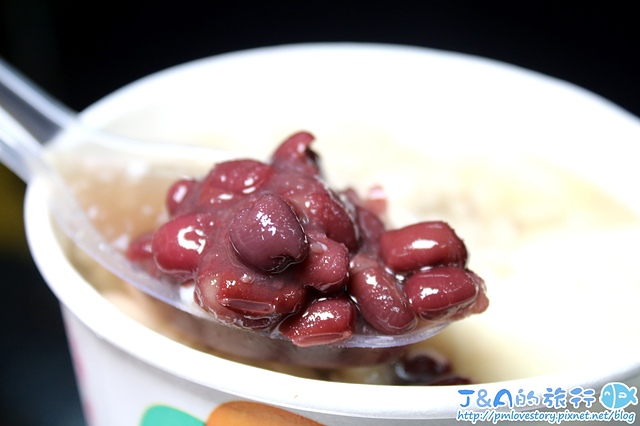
x=162, y=415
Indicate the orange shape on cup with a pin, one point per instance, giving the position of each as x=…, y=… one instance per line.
x=247, y=413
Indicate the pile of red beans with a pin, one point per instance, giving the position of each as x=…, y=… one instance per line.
x=270, y=247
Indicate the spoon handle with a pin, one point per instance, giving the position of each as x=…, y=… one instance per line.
x=29, y=119
x=45, y=118
x=35, y=110
x=19, y=151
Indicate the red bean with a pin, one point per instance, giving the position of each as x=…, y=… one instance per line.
x=421, y=245
x=239, y=176
x=241, y=295
x=211, y=197
x=140, y=251
x=324, y=209
x=379, y=299
x=482, y=301
x=367, y=217
x=326, y=267
x=422, y=367
x=178, y=244
x=268, y=235
x=255, y=296
x=140, y=248
x=324, y=321
x=177, y=193
x=371, y=228
x=205, y=295
x=294, y=154
x=442, y=291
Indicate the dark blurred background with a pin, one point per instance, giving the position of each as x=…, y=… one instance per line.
x=81, y=51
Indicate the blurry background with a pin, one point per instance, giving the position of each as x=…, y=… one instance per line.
x=81, y=51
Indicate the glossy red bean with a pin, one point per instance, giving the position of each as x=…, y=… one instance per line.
x=239, y=176
x=421, y=245
x=295, y=154
x=442, y=291
x=268, y=235
x=325, y=210
x=140, y=248
x=324, y=321
x=371, y=229
x=326, y=267
x=380, y=300
x=205, y=295
x=177, y=194
x=256, y=296
x=140, y=251
x=211, y=198
x=242, y=295
x=178, y=244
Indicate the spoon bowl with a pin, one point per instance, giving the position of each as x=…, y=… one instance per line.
x=41, y=139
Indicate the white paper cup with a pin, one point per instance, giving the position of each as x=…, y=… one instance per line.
x=364, y=98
